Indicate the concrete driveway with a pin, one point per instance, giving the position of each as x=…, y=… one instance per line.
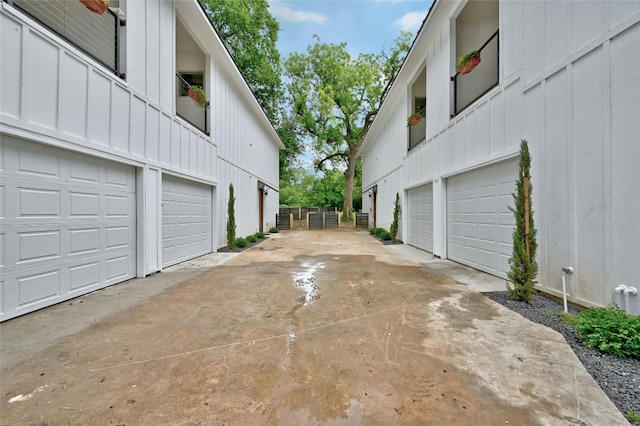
x=306, y=328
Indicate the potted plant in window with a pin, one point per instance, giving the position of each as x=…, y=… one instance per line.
x=96, y=6
x=198, y=95
x=467, y=62
x=414, y=119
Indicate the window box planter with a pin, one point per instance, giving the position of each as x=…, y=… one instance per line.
x=467, y=62
x=414, y=119
x=96, y=6
x=197, y=94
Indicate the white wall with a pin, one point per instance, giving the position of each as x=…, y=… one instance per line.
x=78, y=104
x=568, y=86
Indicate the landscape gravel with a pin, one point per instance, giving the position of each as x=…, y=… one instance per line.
x=618, y=377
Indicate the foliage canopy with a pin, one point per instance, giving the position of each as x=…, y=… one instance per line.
x=250, y=34
x=335, y=98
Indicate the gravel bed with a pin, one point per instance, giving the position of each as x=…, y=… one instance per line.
x=618, y=377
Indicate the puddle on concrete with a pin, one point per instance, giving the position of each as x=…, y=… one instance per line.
x=307, y=282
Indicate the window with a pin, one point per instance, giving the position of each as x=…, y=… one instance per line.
x=418, y=96
x=476, y=28
x=100, y=36
x=190, y=71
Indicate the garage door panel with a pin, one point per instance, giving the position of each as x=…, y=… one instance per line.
x=84, y=172
x=479, y=232
x=186, y=220
x=34, y=161
x=39, y=287
x=117, y=268
x=84, y=204
x=34, y=246
x=420, y=221
x=84, y=276
x=38, y=203
x=58, y=231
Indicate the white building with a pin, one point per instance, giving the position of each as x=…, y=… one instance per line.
x=562, y=75
x=108, y=170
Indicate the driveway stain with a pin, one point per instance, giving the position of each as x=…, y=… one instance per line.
x=387, y=343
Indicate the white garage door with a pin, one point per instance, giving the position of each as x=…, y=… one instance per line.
x=68, y=225
x=186, y=220
x=479, y=222
x=420, y=226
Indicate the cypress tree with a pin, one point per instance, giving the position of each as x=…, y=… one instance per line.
x=393, y=230
x=231, y=219
x=524, y=267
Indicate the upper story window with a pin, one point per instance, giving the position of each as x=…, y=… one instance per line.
x=192, y=91
x=101, y=36
x=418, y=99
x=476, y=29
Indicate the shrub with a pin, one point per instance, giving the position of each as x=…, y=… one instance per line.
x=376, y=231
x=524, y=267
x=252, y=239
x=632, y=417
x=260, y=235
x=385, y=235
x=393, y=230
x=231, y=218
x=241, y=242
x=611, y=330
x=273, y=230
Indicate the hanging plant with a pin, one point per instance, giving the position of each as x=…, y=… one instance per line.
x=414, y=119
x=96, y=6
x=467, y=62
x=198, y=95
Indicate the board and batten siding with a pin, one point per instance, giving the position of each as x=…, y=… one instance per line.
x=568, y=84
x=78, y=104
x=246, y=155
x=584, y=115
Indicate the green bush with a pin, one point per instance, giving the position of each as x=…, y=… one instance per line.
x=385, y=235
x=376, y=231
x=274, y=230
x=241, y=242
x=259, y=235
x=252, y=238
x=611, y=330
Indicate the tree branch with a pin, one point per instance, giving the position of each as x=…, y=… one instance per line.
x=342, y=155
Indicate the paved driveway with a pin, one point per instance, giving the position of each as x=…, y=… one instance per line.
x=306, y=328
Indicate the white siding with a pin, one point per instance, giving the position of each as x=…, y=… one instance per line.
x=568, y=86
x=80, y=106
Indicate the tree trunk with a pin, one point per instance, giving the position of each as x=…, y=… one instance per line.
x=349, y=176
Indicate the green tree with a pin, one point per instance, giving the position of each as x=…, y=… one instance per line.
x=288, y=155
x=306, y=189
x=393, y=230
x=250, y=34
x=524, y=267
x=335, y=98
x=231, y=219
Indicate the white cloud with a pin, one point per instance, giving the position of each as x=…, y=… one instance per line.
x=411, y=21
x=285, y=13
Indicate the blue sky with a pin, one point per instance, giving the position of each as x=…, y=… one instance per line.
x=367, y=26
